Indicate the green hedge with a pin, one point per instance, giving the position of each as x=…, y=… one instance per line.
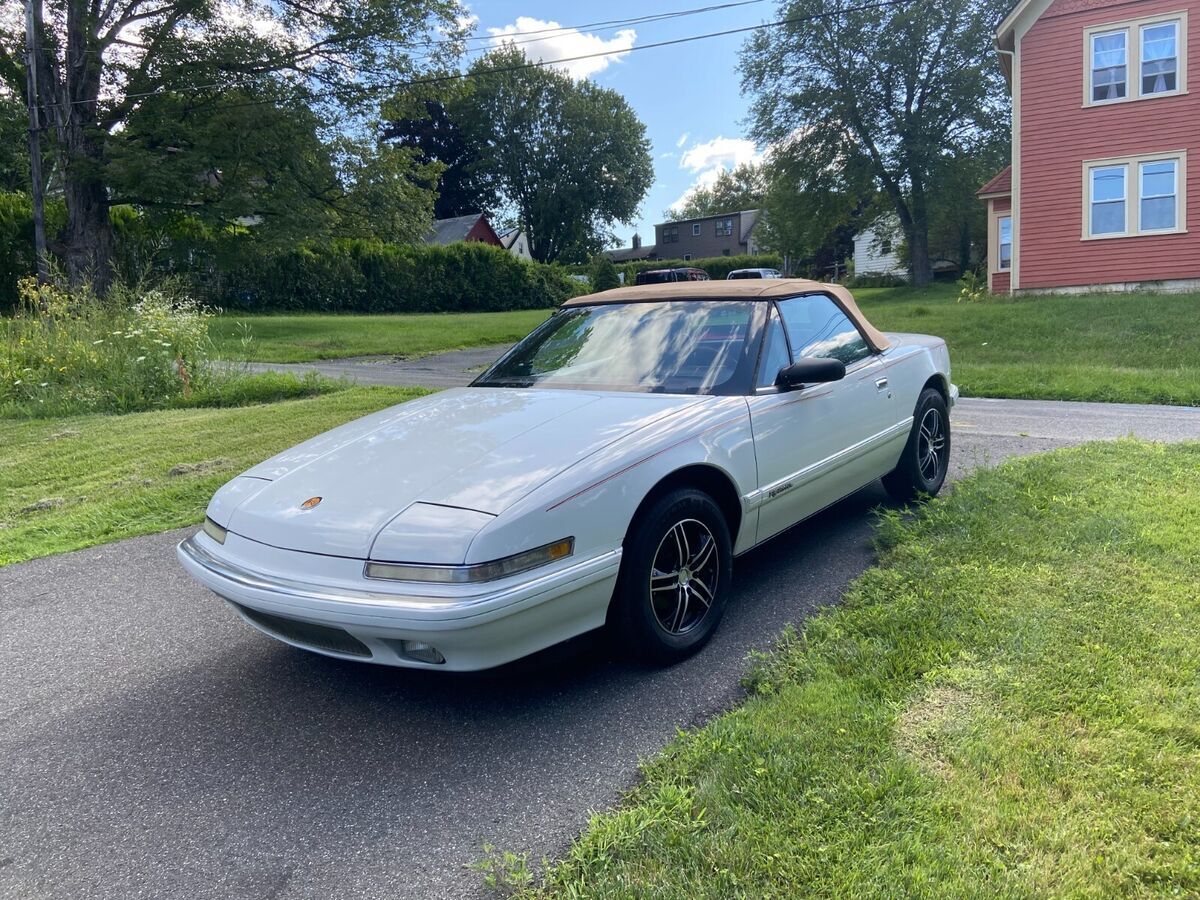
x=376, y=277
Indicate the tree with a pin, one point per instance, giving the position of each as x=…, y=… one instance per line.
x=604, y=273
x=99, y=62
x=567, y=160
x=903, y=85
x=744, y=187
x=424, y=125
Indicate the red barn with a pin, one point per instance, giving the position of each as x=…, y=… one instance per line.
x=1103, y=125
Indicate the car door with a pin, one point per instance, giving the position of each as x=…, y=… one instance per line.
x=817, y=444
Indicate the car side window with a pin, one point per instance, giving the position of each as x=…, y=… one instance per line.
x=816, y=326
x=774, y=353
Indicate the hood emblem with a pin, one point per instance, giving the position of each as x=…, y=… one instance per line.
x=311, y=503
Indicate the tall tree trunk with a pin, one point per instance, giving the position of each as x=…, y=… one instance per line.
x=87, y=243
x=69, y=92
x=918, y=255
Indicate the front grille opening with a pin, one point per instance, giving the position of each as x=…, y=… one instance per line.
x=309, y=634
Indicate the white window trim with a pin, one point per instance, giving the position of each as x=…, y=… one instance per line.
x=695, y=229
x=1133, y=57
x=999, y=217
x=1133, y=194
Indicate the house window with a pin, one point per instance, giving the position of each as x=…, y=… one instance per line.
x=724, y=227
x=1157, y=195
x=696, y=229
x=1136, y=60
x=1135, y=195
x=687, y=257
x=1160, y=57
x=1108, y=66
x=1004, y=256
x=1108, y=200
x=670, y=234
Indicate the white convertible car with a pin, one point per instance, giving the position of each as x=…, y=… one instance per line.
x=606, y=471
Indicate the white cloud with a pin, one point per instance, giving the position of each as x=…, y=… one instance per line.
x=708, y=160
x=555, y=43
x=683, y=139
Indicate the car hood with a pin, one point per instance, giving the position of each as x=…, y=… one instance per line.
x=478, y=449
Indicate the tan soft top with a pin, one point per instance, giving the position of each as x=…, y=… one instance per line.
x=740, y=289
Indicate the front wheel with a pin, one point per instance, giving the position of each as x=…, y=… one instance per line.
x=674, y=578
x=926, y=457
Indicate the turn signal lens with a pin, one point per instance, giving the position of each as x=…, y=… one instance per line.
x=214, y=531
x=488, y=571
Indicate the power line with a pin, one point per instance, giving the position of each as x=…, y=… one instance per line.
x=798, y=20
x=541, y=64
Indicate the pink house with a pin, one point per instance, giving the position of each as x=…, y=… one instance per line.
x=1103, y=126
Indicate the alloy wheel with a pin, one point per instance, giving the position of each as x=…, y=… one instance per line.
x=931, y=445
x=684, y=576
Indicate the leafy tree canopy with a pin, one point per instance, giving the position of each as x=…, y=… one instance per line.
x=744, y=187
x=566, y=160
x=902, y=86
x=158, y=68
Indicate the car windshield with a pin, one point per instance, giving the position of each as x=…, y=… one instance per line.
x=683, y=347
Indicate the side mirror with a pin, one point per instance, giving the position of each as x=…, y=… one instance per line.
x=810, y=370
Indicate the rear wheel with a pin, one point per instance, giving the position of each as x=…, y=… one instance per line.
x=926, y=458
x=674, y=578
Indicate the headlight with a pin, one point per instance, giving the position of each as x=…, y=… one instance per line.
x=214, y=531
x=488, y=571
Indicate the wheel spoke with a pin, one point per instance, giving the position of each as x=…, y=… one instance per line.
x=681, y=542
x=663, y=581
x=680, y=610
x=702, y=591
x=703, y=555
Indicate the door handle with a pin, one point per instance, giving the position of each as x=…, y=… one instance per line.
x=881, y=384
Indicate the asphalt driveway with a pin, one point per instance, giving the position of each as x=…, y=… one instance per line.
x=153, y=746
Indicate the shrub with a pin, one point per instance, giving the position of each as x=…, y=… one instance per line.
x=972, y=287
x=877, y=280
x=16, y=242
x=378, y=277
x=70, y=351
x=604, y=274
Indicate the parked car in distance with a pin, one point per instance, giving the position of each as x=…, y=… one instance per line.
x=605, y=472
x=739, y=274
x=668, y=276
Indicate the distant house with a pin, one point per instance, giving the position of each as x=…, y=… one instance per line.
x=875, y=249
x=727, y=234
x=633, y=253
x=474, y=227
x=1103, y=125
x=516, y=242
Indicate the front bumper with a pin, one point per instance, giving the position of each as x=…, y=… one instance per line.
x=953, y=395
x=472, y=626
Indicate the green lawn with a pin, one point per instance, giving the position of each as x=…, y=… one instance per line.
x=1007, y=706
x=304, y=338
x=75, y=482
x=1131, y=348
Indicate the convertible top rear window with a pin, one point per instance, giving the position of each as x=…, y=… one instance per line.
x=686, y=347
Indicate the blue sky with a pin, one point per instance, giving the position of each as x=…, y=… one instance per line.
x=689, y=95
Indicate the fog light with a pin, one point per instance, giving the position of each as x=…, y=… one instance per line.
x=419, y=651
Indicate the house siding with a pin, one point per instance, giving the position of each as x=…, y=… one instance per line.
x=707, y=243
x=1058, y=133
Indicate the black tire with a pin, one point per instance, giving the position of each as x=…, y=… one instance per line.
x=926, y=457
x=663, y=618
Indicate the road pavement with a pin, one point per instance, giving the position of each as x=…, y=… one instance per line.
x=151, y=745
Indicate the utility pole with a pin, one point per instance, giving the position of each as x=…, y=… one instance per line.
x=35, y=146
